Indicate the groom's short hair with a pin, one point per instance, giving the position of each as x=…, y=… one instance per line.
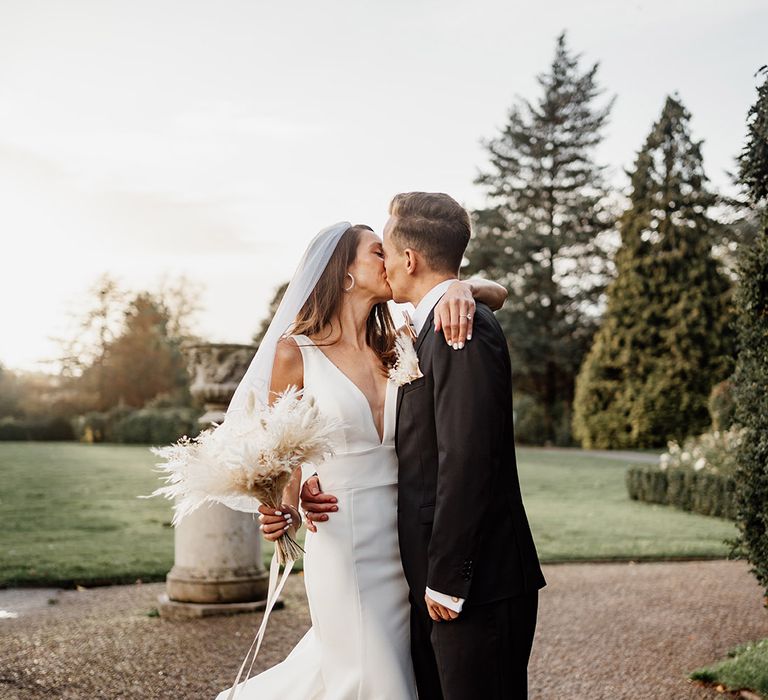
x=434, y=224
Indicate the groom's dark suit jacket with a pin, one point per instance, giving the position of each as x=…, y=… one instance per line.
x=462, y=527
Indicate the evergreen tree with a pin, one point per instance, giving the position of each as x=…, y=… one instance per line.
x=665, y=340
x=539, y=235
x=751, y=376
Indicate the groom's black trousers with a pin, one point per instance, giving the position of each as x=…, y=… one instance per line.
x=481, y=655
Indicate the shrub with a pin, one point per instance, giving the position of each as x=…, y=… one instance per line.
x=751, y=382
x=12, y=429
x=530, y=421
x=712, y=452
x=151, y=426
x=54, y=428
x=98, y=426
x=751, y=376
x=697, y=477
x=91, y=427
x=706, y=493
x=156, y=425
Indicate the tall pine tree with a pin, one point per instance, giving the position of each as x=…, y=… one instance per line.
x=751, y=376
x=665, y=340
x=538, y=235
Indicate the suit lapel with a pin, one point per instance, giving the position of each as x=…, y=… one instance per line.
x=417, y=345
x=425, y=330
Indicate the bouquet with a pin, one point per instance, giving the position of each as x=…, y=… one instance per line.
x=248, y=459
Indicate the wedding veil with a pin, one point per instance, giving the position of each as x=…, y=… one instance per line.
x=256, y=382
x=258, y=376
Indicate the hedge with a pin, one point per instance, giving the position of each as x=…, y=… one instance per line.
x=36, y=429
x=151, y=426
x=704, y=492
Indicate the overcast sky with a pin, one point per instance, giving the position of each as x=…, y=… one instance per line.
x=215, y=138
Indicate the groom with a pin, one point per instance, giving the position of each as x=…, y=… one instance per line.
x=465, y=543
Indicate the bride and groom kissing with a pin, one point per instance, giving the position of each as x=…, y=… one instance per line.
x=420, y=570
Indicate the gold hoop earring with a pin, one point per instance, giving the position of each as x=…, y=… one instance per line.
x=351, y=286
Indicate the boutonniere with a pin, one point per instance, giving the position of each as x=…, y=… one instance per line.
x=406, y=367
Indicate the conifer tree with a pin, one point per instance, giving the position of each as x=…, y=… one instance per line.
x=665, y=339
x=538, y=235
x=751, y=376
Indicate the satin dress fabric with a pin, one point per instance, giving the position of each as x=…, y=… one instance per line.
x=358, y=647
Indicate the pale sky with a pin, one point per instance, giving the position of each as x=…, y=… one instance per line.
x=215, y=138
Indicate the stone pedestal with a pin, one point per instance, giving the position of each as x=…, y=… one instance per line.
x=217, y=551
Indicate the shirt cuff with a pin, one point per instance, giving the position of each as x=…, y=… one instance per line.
x=450, y=602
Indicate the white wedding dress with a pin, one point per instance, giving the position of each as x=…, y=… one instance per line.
x=358, y=647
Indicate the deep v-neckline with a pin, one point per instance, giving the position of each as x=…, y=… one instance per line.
x=381, y=436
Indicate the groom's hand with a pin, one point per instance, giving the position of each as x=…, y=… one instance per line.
x=315, y=503
x=439, y=612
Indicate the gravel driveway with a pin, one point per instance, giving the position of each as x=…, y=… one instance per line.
x=605, y=631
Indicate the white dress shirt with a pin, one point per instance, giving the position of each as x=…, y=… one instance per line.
x=419, y=319
x=427, y=303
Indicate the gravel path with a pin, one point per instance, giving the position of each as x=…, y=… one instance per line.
x=605, y=631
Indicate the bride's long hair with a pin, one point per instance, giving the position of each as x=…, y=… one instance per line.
x=325, y=300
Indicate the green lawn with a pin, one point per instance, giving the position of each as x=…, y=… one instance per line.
x=746, y=668
x=69, y=512
x=579, y=509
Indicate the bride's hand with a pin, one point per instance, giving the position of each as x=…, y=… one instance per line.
x=453, y=314
x=276, y=523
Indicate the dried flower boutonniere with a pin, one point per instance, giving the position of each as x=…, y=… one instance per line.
x=406, y=367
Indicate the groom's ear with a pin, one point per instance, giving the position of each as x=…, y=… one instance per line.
x=411, y=261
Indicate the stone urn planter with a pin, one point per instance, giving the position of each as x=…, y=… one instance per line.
x=218, y=565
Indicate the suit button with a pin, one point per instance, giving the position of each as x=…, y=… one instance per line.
x=454, y=599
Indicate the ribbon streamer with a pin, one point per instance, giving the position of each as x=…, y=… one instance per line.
x=273, y=593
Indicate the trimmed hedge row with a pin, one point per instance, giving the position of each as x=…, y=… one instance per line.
x=35, y=429
x=704, y=492
x=151, y=426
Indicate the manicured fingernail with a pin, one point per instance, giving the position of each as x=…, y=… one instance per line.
x=469, y=336
x=261, y=527
x=455, y=346
x=335, y=508
x=278, y=512
x=286, y=528
x=287, y=516
x=461, y=346
x=334, y=500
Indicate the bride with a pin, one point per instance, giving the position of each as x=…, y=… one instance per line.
x=334, y=337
